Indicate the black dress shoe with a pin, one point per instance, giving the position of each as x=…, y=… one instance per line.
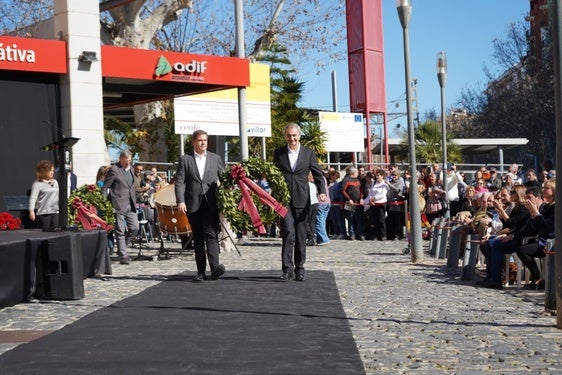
x=299, y=277
x=540, y=285
x=286, y=276
x=217, y=272
x=199, y=277
x=125, y=260
x=534, y=285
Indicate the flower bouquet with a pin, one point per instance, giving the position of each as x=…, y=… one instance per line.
x=8, y=222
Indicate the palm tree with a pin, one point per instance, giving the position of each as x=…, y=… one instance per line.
x=314, y=137
x=286, y=92
x=428, y=138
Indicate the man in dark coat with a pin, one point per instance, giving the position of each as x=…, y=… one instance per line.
x=118, y=185
x=295, y=162
x=196, y=195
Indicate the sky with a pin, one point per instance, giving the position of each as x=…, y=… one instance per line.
x=464, y=29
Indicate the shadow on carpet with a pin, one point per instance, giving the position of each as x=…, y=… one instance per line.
x=248, y=322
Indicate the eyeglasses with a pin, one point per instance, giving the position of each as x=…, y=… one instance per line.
x=480, y=183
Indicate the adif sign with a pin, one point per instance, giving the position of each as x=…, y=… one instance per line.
x=344, y=131
x=217, y=112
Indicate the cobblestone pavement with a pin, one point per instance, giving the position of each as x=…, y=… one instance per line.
x=406, y=318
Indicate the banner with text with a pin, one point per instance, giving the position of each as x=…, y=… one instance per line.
x=217, y=112
x=344, y=130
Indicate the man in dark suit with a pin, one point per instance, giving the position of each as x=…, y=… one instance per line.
x=196, y=195
x=118, y=186
x=295, y=161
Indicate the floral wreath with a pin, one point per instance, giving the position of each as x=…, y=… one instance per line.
x=90, y=195
x=229, y=195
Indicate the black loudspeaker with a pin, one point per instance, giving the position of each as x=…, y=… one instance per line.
x=60, y=272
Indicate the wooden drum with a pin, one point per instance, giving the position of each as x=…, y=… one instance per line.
x=170, y=220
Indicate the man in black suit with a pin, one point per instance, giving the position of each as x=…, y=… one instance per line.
x=119, y=187
x=196, y=195
x=295, y=161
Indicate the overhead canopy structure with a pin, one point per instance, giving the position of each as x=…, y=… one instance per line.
x=133, y=76
x=468, y=146
x=483, y=145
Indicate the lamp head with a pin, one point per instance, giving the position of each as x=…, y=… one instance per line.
x=441, y=62
x=404, y=8
x=87, y=57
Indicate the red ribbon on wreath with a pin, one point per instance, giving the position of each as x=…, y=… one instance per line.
x=247, y=186
x=88, y=217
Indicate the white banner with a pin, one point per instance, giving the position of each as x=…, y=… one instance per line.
x=345, y=131
x=220, y=117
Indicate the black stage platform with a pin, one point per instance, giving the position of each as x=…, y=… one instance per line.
x=18, y=255
x=248, y=322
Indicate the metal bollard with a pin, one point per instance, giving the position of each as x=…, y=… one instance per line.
x=454, y=246
x=436, y=236
x=445, y=230
x=549, y=277
x=470, y=255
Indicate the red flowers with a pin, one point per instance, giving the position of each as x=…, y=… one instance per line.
x=8, y=222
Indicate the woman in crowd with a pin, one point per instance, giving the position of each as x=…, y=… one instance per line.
x=336, y=208
x=468, y=201
x=376, y=201
x=100, y=176
x=395, y=219
x=509, y=181
x=542, y=221
x=509, y=243
x=353, y=197
x=478, y=175
x=434, y=194
x=480, y=186
x=44, y=198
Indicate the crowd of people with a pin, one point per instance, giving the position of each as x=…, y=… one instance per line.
x=503, y=210
x=363, y=204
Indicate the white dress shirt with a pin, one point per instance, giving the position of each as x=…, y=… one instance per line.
x=200, y=160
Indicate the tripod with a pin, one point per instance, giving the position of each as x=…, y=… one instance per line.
x=142, y=236
x=227, y=233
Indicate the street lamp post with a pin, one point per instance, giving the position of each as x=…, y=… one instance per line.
x=404, y=9
x=442, y=77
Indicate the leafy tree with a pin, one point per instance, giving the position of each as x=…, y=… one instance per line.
x=429, y=149
x=286, y=92
x=520, y=102
x=22, y=17
x=209, y=28
x=304, y=26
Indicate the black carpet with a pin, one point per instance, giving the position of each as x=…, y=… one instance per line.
x=249, y=322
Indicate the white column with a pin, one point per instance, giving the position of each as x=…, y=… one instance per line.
x=78, y=23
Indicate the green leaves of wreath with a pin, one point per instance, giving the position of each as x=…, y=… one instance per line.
x=229, y=195
x=91, y=194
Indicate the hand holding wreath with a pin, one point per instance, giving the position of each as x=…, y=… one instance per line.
x=231, y=200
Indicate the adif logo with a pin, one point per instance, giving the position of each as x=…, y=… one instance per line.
x=164, y=67
x=192, y=67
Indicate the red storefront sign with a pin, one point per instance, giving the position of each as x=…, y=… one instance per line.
x=32, y=55
x=133, y=63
